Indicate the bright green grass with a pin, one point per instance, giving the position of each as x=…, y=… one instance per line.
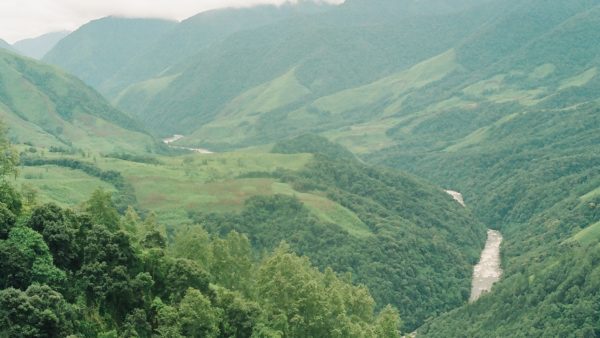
x=588, y=235
x=364, y=138
x=580, y=79
x=193, y=183
x=327, y=210
x=230, y=124
x=477, y=136
x=542, y=71
x=146, y=88
x=66, y=187
x=496, y=90
x=206, y=183
x=392, y=87
x=591, y=194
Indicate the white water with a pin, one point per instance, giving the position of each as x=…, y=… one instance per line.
x=488, y=271
x=458, y=197
x=176, y=138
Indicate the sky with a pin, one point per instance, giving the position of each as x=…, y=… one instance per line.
x=20, y=19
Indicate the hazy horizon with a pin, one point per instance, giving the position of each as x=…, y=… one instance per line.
x=24, y=19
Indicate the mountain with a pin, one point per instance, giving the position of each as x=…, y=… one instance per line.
x=404, y=238
x=44, y=106
x=215, y=56
x=38, y=47
x=6, y=46
x=497, y=99
x=101, y=47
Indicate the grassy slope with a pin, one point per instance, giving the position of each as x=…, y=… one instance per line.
x=44, y=106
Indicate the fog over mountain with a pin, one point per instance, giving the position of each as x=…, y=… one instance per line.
x=21, y=19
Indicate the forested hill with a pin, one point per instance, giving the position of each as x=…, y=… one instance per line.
x=246, y=273
x=95, y=273
x=45, y=106
x=409, y=242
x=325, y=49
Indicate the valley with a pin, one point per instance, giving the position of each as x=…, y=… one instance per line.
x=488, y=271
x=358, y=168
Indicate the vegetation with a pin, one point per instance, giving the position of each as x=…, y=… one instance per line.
x=46, y=107
x=495, y=99
x=383, y=252
x=96, y=273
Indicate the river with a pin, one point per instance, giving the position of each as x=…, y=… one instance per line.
x=170, y=140
x=488, y=271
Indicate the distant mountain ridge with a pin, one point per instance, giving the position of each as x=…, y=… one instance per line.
x=38, y=47
x=7, y=46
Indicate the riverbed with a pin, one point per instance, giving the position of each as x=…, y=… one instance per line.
x=488, y=271
x=170, y=140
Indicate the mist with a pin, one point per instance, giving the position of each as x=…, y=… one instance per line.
x=20, y=19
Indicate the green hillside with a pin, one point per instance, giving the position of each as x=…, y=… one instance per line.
x=497, y=100
x=338, y=212
x=44, y=106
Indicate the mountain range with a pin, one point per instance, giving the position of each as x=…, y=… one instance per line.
x=496, y=99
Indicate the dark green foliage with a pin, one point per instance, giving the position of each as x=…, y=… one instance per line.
x=111, y=285
x=557, y=298
x=10, y=197
x=418, y=255
x=135, y=158
x=7, y=221
x=28, y=260
x=314, y=144
x=183, y=274
x=37, y=312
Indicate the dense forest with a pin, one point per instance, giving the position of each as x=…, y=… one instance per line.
x=415, y=247
x=97, y=273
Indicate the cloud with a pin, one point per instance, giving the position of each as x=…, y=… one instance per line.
x=21, y=19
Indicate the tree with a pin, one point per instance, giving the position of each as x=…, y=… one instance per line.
x=9, y=157
x=388, y=323
x=193, y=243
x=184, y=274
x=29, y=193
x=197, y=316
x=131, y=221
x=152, y=236
x=136, y=325
x=232, y=262
x=37, y=312
x=7, y=221
x=240, y=316
x=44, y=214
x=167, y=320
x=34, y=250
x=103, y=210
x=10, y=197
